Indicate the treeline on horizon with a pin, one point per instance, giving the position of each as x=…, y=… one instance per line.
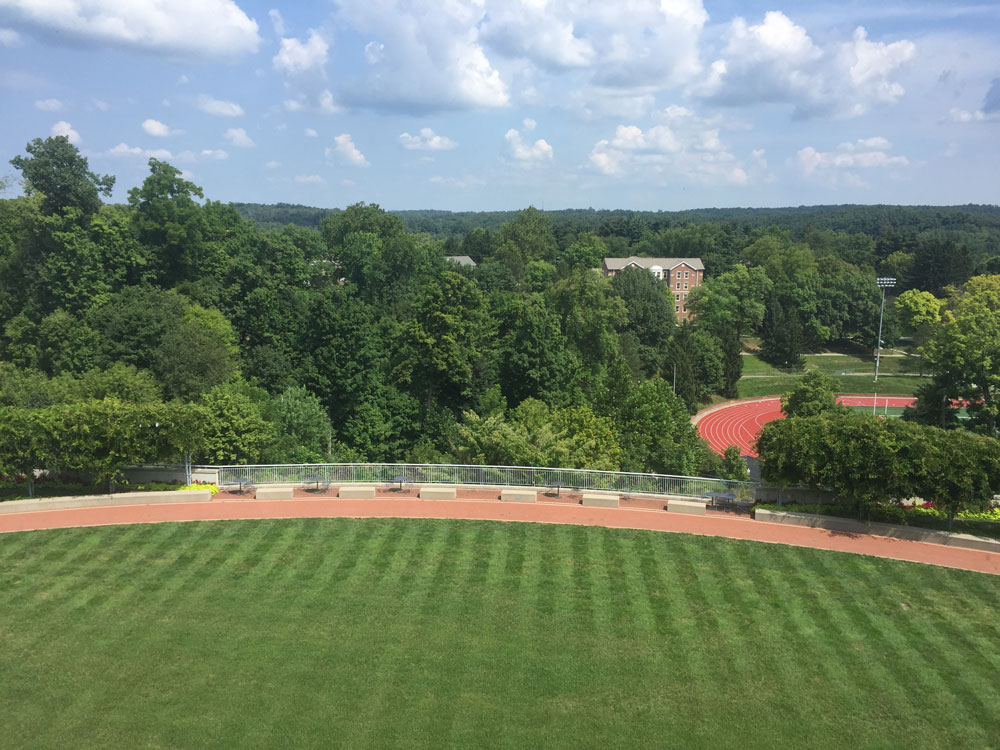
x=360, y=341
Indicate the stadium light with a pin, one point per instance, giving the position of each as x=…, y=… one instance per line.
x=883, y=282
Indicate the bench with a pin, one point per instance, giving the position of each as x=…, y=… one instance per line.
x=437, y=493
x=598, y=500
x=518, y=496
x=692, y=507
x=355, y=493
x=275, y=493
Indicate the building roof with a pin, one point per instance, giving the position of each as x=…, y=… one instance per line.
x=462, y=260
x=617, y=264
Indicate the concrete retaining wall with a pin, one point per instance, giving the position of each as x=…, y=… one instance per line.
x=118, y=498
x=358, y=492
x=851, y=526
x=274, y=493
x=802, y=495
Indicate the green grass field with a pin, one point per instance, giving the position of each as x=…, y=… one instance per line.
x=382, y=633
x=887, y=385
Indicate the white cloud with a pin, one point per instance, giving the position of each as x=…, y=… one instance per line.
x=296, y=57
x=9, y=38
x=680, y=145
x=524, y=153
x=839, y=165
x=638, y=44
x=277, y=21
x=777, y=61
x=322, y=104
x=346, y=151
x=123, y=149
x=100, y=104
x=425, y=56
x=964, y=115
x=528, y=124
x=158, y=129
x=238, y=137
x=64, y=128
x=310, y=179
x=273, y=164
x=218, y=107
x=311, y=133
x=426, y=140
x=326, y=103
x=215, y=154
x=176, y=28
x=183, y=80
x=48, y=105
x=466, y=181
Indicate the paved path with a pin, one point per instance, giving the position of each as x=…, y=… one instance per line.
x=738, y=422
x=627, y=518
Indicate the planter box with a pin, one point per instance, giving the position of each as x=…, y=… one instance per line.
x=691, y=507
x=355, y=493
x=518, y=496
x=437, y=493
x=600, y=501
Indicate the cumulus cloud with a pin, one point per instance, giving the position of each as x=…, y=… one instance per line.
x=216, y=154
x=321, y=103
x=176, y=28
x=297, y=57
x=158, y=129
x=527, y=154
x=426, y=140
x=64, y=128
x=840, y=164
x=238, y=137
x=680, y=144
x=218, y=107
x=344, y=150
x=48, y=105
x=9, y=38
x=777, y=61
x=123, y=149
x=310, y=179
x=424, y=56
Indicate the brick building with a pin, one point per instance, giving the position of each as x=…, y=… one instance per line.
x=681, y=275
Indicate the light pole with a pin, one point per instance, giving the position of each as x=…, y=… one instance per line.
x=884, y=282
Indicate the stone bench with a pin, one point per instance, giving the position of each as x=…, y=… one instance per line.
x=598, y=500
x=436, y=493
x=356, y=492
x=692, y=507
x=518, y=496
x=275, y=493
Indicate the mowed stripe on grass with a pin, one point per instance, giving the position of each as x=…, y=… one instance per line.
x=422, y=633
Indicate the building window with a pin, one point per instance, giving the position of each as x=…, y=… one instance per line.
x=677, y=308
x=686, y=273
x=677, y=298
x=678, y=285
x=685, y=296
x=685, y=308
x=685, y=285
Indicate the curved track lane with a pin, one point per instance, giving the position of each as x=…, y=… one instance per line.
x=543, y=512
x=738, y=423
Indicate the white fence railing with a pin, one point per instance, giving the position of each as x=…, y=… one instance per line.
x=517, y=476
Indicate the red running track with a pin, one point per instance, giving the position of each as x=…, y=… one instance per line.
x=738, y=423
x=493, y=510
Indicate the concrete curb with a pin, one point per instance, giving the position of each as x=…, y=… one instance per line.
x=850, y=526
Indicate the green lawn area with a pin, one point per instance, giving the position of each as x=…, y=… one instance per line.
x=778, y=384
x=408, y=633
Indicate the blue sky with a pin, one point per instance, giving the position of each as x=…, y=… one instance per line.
x=489, y=104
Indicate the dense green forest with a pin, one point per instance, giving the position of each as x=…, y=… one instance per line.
x=304, y=335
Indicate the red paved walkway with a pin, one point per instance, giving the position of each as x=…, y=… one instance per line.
x=712, y=525
x=738, y=423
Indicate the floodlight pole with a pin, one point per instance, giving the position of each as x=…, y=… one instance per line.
x=886, y=282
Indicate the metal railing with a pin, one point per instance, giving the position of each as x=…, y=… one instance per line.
x=516, y=476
